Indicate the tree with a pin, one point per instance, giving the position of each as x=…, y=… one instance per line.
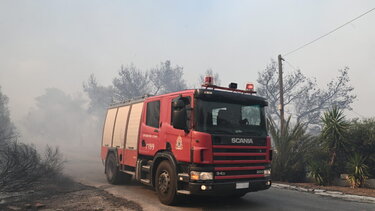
x=130, y=83
x=133, y=82
x=166, y=78
x=289, y=163
x=304, y=101
x=7, y=129
x=333, y=133
x=100, y=96
x=210, y=72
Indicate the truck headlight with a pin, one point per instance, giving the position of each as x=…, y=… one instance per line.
x=267, y=172
x=196, y=175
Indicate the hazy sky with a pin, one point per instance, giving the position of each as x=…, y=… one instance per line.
x=60, y=43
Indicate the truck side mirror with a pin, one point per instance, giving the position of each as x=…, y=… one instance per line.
x=180, y=118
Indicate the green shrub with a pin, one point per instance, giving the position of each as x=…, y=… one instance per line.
x=320, y=171
x=358, y=170
x=361, y=139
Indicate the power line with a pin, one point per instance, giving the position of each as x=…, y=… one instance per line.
x=330, y=32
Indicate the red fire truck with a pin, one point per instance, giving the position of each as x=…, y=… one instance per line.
x=208, y=141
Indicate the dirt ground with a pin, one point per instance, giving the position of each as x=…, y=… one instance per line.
x=347, y=190
x=61, y=195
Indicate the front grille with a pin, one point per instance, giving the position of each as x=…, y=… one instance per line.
x=239, y=157
x=242, y=165
x=238, y=162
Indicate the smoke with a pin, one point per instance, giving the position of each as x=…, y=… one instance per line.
x=62, y=120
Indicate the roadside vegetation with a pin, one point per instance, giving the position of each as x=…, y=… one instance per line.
x=342, y=148
x=21, y=165
x=320, y=143
x=354, y=152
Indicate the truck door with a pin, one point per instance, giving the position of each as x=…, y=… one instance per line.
x=180, y=140
x=150, y=129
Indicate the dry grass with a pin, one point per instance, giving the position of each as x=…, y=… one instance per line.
x=21, y=165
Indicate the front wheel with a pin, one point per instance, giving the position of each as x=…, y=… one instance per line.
x=165, y=183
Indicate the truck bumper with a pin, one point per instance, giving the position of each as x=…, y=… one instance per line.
x=228, y=188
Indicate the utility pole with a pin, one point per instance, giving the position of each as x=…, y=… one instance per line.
x=281, y=87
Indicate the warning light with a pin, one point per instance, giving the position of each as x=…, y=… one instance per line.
x=249, y=87
x=208, y=80
x=232, y=85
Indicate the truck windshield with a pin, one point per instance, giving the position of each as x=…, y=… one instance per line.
x=230, y=118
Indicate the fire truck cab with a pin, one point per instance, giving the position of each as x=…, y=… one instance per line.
x=208, y=141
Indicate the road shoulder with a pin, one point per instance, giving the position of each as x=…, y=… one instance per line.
x=330, y=191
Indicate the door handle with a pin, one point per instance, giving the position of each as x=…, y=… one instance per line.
x=156, y=130
x=143, y=143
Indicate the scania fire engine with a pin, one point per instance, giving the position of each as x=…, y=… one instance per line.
x=207, y=141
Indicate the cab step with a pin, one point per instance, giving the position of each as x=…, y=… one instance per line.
x=145, y=181
x=129, y=172
x=185, y=192
x=146, y=168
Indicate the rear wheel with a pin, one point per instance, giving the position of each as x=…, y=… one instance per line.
x=165, y=183
x=114, y=175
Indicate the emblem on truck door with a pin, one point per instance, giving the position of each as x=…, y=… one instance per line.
x=179, y=145
x=242, y=141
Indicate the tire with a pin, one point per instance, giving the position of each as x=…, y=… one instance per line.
x=113, y=174
x=165, y=183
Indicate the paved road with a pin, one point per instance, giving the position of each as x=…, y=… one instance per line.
x=272, y=199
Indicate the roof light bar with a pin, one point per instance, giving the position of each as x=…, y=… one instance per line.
x=249, y=87
x=230, y=88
